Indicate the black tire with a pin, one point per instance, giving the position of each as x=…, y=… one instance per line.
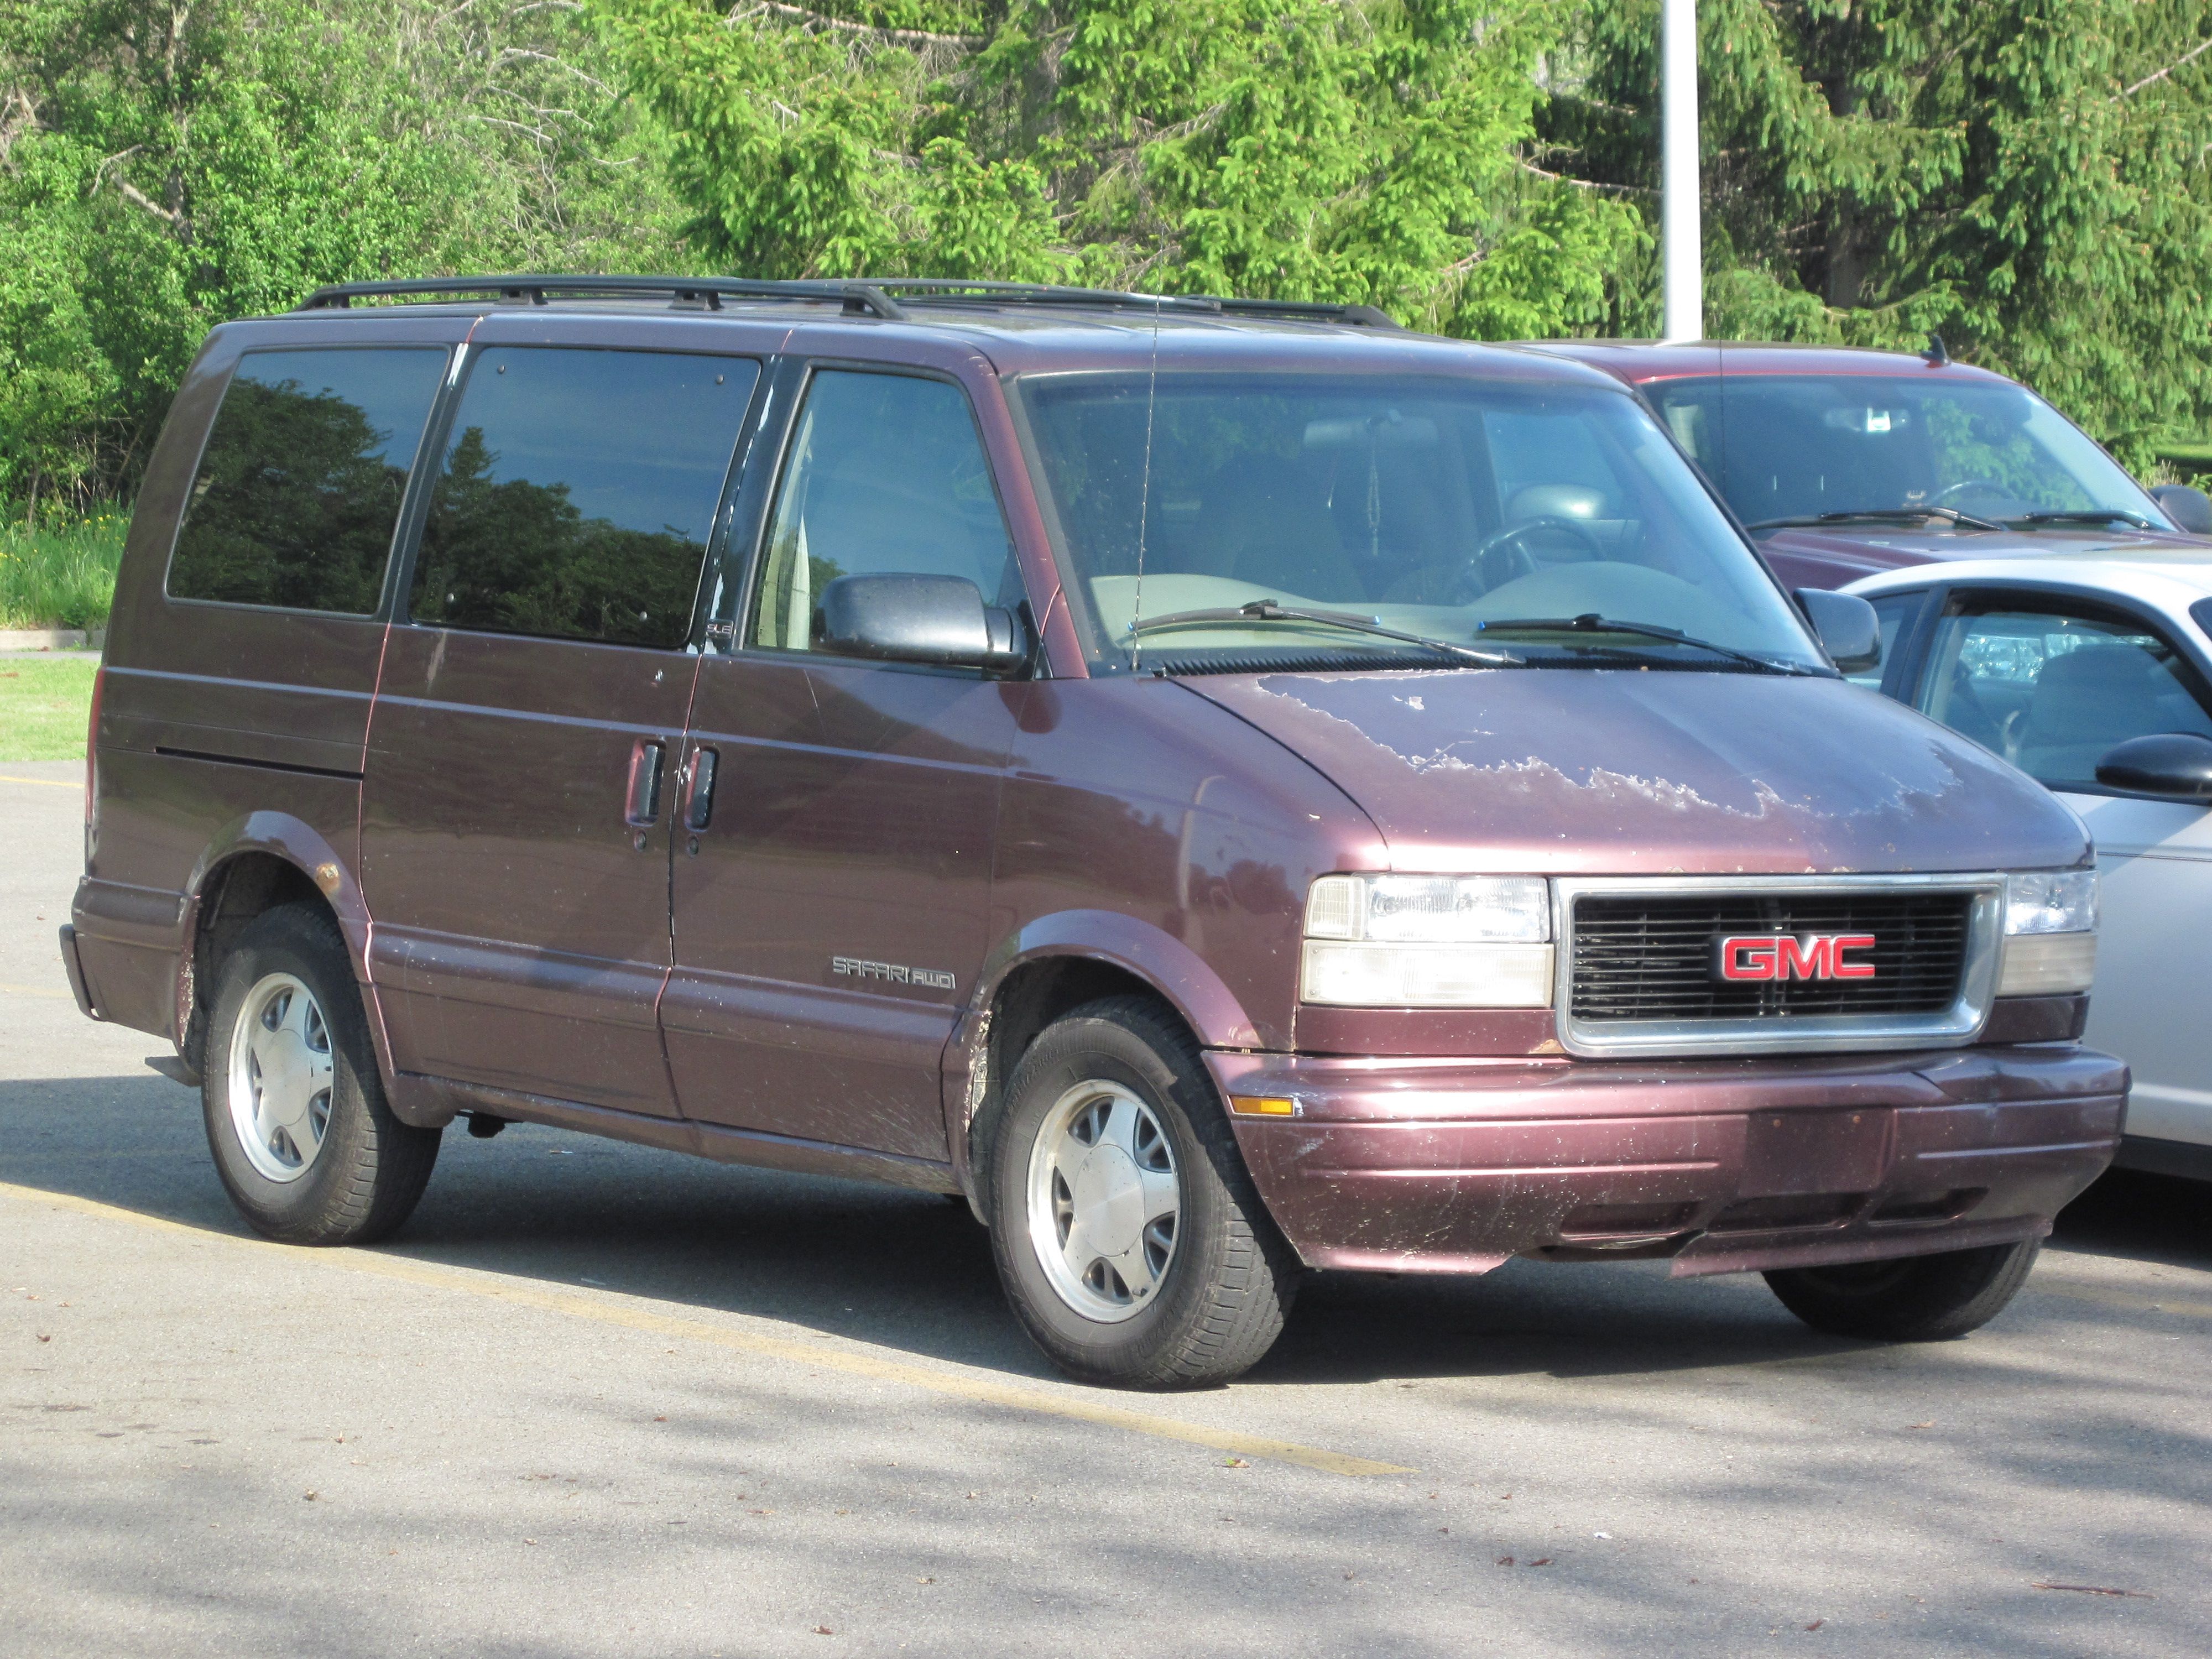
x=1917, y=1298
x=1228, y=1283
x=370, y=1169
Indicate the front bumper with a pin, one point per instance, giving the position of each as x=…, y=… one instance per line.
x=1455, y=1166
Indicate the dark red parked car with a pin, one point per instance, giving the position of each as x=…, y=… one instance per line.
x=1232, y=789
x=1845, y=463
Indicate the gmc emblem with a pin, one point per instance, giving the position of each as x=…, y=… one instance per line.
x=1791, y=955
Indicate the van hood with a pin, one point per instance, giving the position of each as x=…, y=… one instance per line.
x=1621, y=772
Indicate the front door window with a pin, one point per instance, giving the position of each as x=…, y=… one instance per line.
x=2054, y=692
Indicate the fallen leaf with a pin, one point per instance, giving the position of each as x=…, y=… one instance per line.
x=309, y=1497
x=1226, y=1463
x=1541, y=1561
x=823, y=1630
x=1443, y=1528
x=1505, y=1560
x=2094, y=1590
x=1929, y=1425
x=660, y=1419
x=924, y=1581
x=1816, y=1623
x=530, y=1540
x=46, y=1338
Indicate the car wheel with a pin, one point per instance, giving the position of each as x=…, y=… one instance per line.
x=1917, y=1298
x=302, y=1137
x=1126, y=1230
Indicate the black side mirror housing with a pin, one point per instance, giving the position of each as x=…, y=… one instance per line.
x=2175, y=764
x=1845, y=625
x=939, y=621
x=2189, y=507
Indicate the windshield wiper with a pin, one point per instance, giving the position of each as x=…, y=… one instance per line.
x=1590, y=622
x=2089, y=516
x=1268, y=610
x=1949, y=515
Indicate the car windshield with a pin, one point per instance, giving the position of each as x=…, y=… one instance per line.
x=1443, y=509
x=1802, y=446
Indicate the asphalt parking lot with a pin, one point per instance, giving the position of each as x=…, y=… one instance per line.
x=598, y=1400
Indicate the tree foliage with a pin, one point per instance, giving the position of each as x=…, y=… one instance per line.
x=1357, y=151
x=2027, y=177
x=164, y=166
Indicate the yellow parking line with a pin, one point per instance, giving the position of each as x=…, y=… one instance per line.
x=608, y=1310
x=46, y=783
x=31, y=991
x=2129, y=1300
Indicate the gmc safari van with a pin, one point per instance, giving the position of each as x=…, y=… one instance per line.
x=1230, y=789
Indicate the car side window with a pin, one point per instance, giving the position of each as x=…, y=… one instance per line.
x=578, y=492
x=885, y=475
x=1891, y=611
x=300, y=483
x=2054, y=691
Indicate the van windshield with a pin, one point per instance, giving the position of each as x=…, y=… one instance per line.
x=1447, y=509
x=1789, y=448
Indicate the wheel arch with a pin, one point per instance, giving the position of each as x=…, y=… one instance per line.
x=1054, y=965
x=260, y=862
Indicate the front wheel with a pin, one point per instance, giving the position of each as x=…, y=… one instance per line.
x=1127, y=1231
x=296, y=1118
x=1916, y=1299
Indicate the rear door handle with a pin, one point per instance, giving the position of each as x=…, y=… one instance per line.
x=699, y=793
x=644, y=803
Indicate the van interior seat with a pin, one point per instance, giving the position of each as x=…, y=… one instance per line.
x=1269, y=532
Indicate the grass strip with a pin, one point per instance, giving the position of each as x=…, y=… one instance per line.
x=45, y=702
x=62, y=578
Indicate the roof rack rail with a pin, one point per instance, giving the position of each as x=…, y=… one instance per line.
x=858, y=299
x=875, y=297
x=1048, y=294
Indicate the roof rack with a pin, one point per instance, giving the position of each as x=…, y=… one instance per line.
x=857, y=299
x=875, y=297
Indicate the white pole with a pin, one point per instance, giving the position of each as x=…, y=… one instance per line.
x=1680, y=256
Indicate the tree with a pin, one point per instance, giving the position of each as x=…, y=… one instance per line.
x=1352, y=150
x=164, y=168
x=2027, y=177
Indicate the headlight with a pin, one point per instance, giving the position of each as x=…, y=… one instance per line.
x=2050, y=934
x=1428, y=942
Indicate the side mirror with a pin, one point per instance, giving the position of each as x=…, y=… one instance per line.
x=1845, y=625
x=939, y=620
x=2190, y=509
x=2175, y=764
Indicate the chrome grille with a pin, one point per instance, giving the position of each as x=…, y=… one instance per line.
x=1638, y=957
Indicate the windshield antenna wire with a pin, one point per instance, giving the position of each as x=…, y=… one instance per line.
x=1144, y=489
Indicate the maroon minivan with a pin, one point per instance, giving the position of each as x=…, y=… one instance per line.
x=1232, y=789
x=1844, y=463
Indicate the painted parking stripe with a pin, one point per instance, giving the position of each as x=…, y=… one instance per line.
x=627, y=1312
x=32, y=991
x=46, y=783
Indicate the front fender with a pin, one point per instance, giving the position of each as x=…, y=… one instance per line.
x=1160, y=960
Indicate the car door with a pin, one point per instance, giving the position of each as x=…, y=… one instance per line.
x=2052, y=683
x=515, y=807
x=831, y=896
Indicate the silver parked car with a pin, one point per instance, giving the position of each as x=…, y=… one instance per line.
x=2094, y=675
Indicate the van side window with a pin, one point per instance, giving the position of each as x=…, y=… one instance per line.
x=578, y=492
x=886, y=476
x=299, y=486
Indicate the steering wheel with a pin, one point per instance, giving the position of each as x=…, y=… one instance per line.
x=1942, y=497
x=1503, y=554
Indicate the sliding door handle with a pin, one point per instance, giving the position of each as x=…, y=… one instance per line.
x=643, y=805
x=699, y=791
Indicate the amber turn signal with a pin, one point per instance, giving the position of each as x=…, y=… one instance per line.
x=1263, y=1106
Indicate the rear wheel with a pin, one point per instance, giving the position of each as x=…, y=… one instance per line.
x=1917, y=1298
x=1126, y=1230
x=295, y=1113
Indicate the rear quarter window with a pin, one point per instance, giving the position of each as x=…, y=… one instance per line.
x=300, y=482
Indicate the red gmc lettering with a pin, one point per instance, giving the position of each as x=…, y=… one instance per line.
x=1792, y=956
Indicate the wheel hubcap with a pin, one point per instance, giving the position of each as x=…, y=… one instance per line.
x=1104, y=1200
x=280, y=1078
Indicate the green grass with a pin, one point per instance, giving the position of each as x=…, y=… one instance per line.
x=60, y=578
x=43, y=704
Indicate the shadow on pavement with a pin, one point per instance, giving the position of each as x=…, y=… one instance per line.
x=914, y=1272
